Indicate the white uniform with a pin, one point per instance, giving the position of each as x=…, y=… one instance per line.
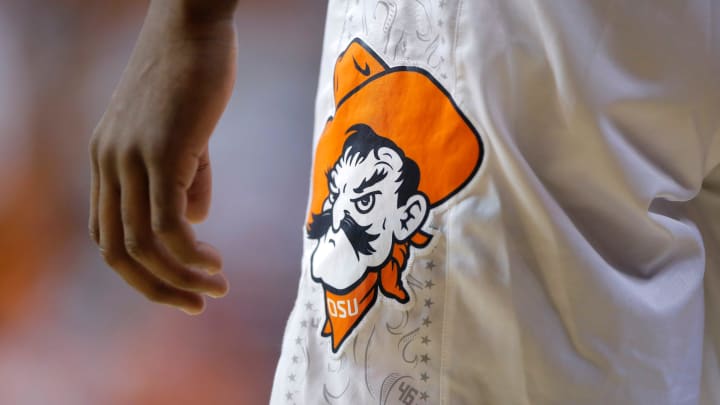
x=578, y=262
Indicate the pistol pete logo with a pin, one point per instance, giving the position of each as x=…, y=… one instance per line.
x=396, y=148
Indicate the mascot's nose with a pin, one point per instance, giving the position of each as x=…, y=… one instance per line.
x=338, y=213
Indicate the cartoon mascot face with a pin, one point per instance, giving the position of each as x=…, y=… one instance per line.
x=396, y=148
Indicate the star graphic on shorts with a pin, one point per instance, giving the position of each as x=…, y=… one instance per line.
x=289, y=395
x=424, y=396
x=291, y=377
x=425, y=340
x=308, y=306
x=424, y=377
x=298, y=340
x=429, y=284
x=424, y=358
x=295, y=359
x=430, y=265
x=303, y=323
x=428, y=302
x=426, y=321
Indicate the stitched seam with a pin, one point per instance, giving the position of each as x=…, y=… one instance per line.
x=455, y=44
x=444, y=394
x=446, y=313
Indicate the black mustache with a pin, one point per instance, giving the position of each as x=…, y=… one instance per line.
x=358, y=235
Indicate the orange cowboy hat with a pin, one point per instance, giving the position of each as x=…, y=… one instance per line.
x=407, y=106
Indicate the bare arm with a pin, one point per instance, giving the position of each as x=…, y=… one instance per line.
x=151, y=175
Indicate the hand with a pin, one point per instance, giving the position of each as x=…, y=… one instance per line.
x=151, y=176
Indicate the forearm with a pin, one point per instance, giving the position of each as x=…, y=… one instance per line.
x=188, y=22
x=193, y=12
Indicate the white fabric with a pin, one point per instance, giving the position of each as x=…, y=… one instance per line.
x=581, y=264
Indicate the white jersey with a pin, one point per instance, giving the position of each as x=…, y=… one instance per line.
x=512, y=202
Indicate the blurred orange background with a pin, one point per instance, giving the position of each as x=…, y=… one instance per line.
x=71, y=332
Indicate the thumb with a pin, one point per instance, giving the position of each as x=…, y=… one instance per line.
x=199, y=193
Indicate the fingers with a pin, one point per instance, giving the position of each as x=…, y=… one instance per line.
x=138, y=218
x=141, y=244
x=168, y=201
x=199, y=193
x=113, y=249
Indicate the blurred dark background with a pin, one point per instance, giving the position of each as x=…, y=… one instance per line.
x=71, y=332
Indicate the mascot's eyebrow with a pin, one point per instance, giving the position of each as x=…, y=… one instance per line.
x=378, y=176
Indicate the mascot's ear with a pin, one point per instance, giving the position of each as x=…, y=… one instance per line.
x=412, y=217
